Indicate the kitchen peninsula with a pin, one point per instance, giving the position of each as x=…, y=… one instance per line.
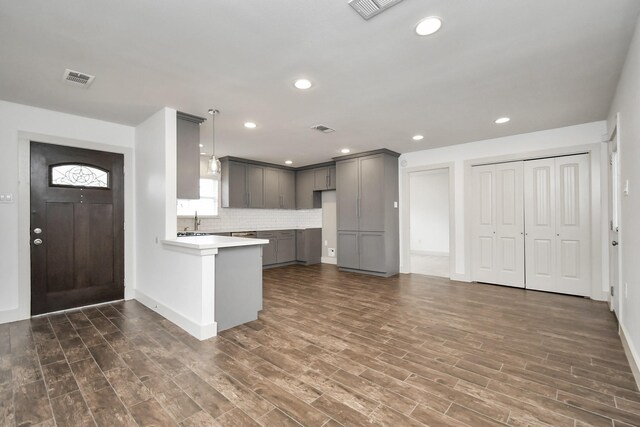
x=222, y=275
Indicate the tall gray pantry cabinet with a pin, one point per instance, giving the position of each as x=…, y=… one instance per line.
x=367, y=212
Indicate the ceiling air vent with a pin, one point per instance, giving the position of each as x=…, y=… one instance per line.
x=370, y=8
x=77, y=78
x=323, y=128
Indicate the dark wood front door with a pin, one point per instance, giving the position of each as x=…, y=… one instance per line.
x=77, y=227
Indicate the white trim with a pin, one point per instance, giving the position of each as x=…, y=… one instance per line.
x=631, y=352
x=329, y=260
x=429, y=253
x=67, y=310
x=405, y=217
x=202, y=332
x=23, y=311
x=599, y=287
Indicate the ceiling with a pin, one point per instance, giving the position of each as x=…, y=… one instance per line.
x=544, y=63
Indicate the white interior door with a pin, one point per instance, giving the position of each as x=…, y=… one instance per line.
x=540, y=224
x=509, y=243
x=558, y=223
x=498, y=241
x=483, y=228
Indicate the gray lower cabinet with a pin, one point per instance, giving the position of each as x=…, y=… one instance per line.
x=281, y=248
x=309, y=246
x=367, y=212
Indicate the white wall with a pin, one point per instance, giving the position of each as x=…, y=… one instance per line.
x=329, y=227
x=21, y=122
x=553, y=141
x=257, y=219
x=627, y=105
x=429, y=195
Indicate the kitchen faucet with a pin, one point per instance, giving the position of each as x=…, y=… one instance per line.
x=196, y=222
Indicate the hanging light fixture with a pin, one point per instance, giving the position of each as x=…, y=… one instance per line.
x=214, y=167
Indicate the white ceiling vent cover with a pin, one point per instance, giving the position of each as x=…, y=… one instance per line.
x=323, y=128
x=370, y=8
x=78, y=78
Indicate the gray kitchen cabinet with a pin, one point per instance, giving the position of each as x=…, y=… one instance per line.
x=188, y=156
x=272, y=196
x=306, y=198
x=324, y=178
x=286, y=246
x=348, y=251
x=279, y=189
x=367, y=212
x=269, y=252
x=309, y=246
x=287, y=185
x=255, y=186
x=347, y=194
x=234, y=185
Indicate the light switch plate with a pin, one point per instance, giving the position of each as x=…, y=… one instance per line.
x=625, y=189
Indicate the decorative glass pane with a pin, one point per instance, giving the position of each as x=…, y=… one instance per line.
x=79, y=176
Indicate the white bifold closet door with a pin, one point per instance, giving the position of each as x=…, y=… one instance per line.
x=498, y=224
x=557, y=224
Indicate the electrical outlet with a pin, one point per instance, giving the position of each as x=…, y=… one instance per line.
x=625, y=189
x=6, y=198
x=395, y=205
x=332, y=252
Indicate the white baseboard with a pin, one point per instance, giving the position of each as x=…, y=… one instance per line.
x=202, y=332
x=632, y=353
x=460, y=277
x=329, y=260
x=429, y=253
x=13, y=315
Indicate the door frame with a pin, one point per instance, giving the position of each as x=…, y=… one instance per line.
x=614, y=137
x=23, y=310
x=599, y=196
x=405, y=220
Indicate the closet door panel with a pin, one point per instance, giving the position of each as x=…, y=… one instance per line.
x=573, y=225
x=540, y=235
x=509, y=224
x=484, y=224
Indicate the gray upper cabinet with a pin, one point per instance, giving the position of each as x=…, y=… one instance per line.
x=305, y=196
x=255, y=186
x=287, y=185
x=272, y=199
x=324, y=178
x=188, y=156
x=234, y=185
x=367, y=212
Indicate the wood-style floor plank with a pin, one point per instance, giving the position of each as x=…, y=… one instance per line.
x=329, y=349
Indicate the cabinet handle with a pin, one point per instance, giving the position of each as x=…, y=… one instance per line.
x=327, y=179
x=276, y=245
x=249, y=199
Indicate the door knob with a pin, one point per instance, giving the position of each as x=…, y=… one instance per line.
x=614, y=243
x=37, y=242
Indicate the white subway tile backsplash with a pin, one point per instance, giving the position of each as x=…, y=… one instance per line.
x=257, y=219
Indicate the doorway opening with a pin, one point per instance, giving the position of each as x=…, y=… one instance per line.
x=429, y=216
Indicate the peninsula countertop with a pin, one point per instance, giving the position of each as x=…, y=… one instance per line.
x=213, y=242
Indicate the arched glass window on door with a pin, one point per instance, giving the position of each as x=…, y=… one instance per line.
x=78, y=175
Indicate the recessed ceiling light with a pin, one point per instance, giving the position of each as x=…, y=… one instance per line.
x=345, y=151
x=502, y=120
x=417, y=137
x=288, y=162
x=428, y=26
x=302, y=84
x=250, y=125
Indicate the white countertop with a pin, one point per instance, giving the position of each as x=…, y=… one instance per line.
x=213, y=242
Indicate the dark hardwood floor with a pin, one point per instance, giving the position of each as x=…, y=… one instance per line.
x=329, y=349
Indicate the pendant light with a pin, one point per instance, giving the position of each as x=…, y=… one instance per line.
x=213, y=167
